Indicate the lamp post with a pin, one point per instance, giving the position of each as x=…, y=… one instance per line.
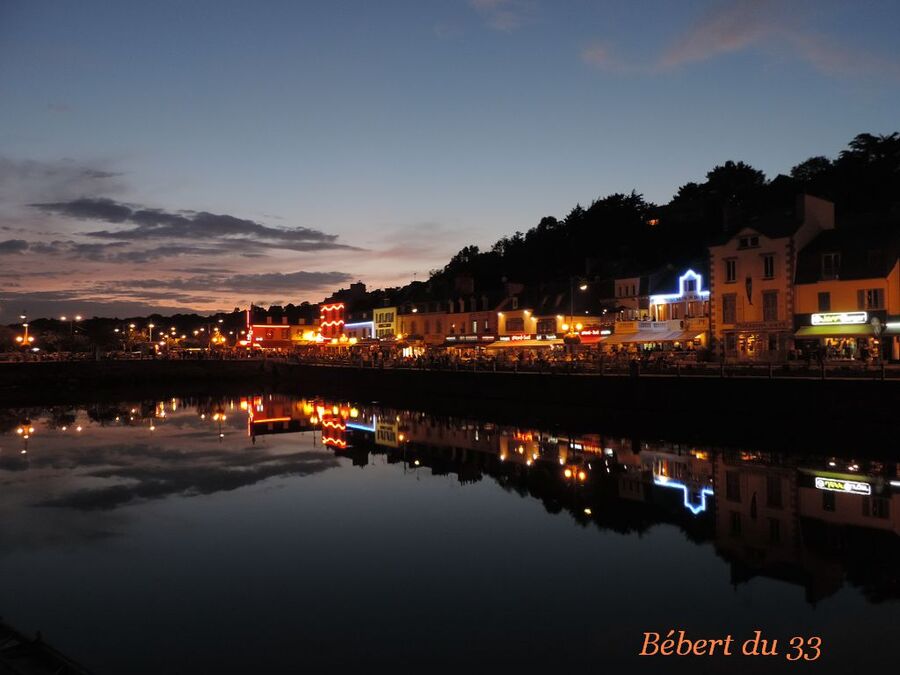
x=581, y=287
x=25, y=339
x=151, y=326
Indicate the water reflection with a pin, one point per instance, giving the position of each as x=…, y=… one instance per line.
x=810, y=520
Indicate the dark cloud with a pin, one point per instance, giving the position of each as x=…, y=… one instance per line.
x=181, y=475
x=13, y=246
x=155, y=224
x=59, y=302
x=251, y=283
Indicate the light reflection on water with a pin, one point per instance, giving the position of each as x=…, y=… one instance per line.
x=269, y=533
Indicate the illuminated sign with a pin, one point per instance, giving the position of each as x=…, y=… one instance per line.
x=689, y=283
x=853, y=487
x=839, y=318
x=705, y=492
x=386, y=434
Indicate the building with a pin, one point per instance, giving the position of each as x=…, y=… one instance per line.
x=385, y=319
x=676, y=316
x=751, y=280
x=632, y=299
x=279, y=328
x=331, y=319
x=847, y=295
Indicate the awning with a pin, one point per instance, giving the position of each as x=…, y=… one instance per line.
x=650, y=336
x=688, y=336
x=850, y=330
x=524, y=344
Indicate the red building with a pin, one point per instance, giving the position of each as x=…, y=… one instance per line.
x=331, y=320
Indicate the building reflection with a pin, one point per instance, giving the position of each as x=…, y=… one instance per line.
x=806, y=519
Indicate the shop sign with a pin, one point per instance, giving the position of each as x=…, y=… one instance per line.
x=839, y=318
x=854, y=487
x=386, y=434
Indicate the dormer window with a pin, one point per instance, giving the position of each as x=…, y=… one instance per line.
x=690, y=285
x=515, y=303
x=831, y=265
x=748, y=242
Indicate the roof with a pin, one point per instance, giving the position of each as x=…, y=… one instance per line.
x=865, y=253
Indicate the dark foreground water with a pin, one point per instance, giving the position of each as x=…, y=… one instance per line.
x=284, y=535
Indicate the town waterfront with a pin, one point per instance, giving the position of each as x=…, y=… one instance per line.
x=285, y=533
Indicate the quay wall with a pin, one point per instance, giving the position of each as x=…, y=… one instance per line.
x=737, y=410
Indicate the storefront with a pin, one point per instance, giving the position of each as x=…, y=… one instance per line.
x=531, y=344
x=641, y=336
x=469, y=345
x=839, y=336
x=758, y=340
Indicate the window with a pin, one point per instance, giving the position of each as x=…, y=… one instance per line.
x=748, y=242
x=769, y=266
x=730, y=270
x=733, y=486
x=515, y=303
x=770, y=305
x=735, y=523
x=825, y=301
x=438, y=326
x=729, y=308
x=474, y=326
x=773, y=492
x=427, y=326
x=827, y=501
x=876, y=507
x=774, y=530
x=487, y=325
x=285, y=333
x=545, y=326
x=690, y=285
x=412, y=327
x=872, y=298
x=515, y=325
x=831, y=265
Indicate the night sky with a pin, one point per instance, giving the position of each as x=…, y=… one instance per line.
x=203, y=155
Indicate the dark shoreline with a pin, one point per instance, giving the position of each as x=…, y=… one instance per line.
x=844, y=416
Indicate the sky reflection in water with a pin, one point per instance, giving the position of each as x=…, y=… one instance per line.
x=271, y=534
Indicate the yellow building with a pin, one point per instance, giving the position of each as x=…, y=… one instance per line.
x=751, y=281
x=385, y=320
x=847, y=295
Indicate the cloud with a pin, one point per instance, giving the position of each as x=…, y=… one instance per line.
x=728, y=28
x=68, y=300
x=290, y=282
x=154, y=224
x=773, y=27
x=505, y=15
x=184, y=475
x=13, y=246
x=23, y=181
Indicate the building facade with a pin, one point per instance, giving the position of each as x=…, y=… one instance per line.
x=751, y=281
x=847, y=295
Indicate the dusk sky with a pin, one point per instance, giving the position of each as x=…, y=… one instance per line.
x=203, y=155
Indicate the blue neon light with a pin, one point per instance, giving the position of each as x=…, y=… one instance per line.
x=360, y=324
x=668, y=297
x=361, y=427
x=662, y=481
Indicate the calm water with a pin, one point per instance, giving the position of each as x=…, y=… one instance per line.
x=270, y=534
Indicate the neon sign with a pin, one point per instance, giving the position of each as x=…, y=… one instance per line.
x=839, y=318
x=853, y=487
x=688, y=275
x=663, y=481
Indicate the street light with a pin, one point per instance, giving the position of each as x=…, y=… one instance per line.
x=582, y=287
x=151, y=326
